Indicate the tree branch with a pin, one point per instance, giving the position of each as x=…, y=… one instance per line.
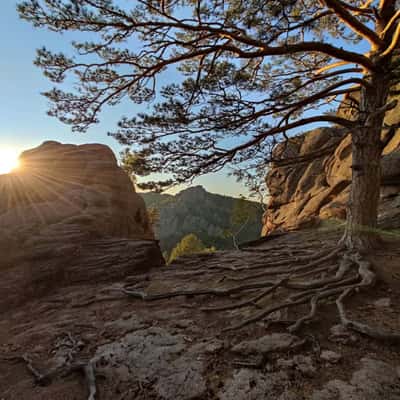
x=389, y=25
x=358, y=27
x=259, y=138
x=394, y=43
x=363, y=9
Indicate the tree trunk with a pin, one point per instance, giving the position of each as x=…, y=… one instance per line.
x=361, y=227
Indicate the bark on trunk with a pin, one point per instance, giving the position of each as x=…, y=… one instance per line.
x=361, y=228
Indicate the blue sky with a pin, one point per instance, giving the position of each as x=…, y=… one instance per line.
x=24, y=123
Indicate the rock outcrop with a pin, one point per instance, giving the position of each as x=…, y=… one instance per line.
x=178, y=348
x=311, y=181
x=206, y=327
x=69, y=213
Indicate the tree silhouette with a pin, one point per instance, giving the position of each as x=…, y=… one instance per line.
x=135, y=164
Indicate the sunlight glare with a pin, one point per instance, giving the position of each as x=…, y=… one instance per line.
x=8, y=160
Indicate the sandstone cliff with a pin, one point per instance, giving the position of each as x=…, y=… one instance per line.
x=69, y=213
x=310, y=181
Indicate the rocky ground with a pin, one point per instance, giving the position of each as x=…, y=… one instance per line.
x=90, y=311
x=101, y=336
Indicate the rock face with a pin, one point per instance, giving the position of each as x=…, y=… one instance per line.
x=62, y=201
x=311, y=182
x=62, y=185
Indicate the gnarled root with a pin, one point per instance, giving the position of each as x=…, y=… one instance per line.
x=245, y=303
x=313, y=281
x=40, y=379
x=360, y=327
x=90, y=380
x=67, y=368
x=199, y=292
x=319, y=289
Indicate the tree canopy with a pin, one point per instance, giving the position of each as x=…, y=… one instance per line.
x=189, y=244
x=135, y=164
x=251, y=73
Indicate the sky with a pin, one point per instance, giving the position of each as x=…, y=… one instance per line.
x=24, y=122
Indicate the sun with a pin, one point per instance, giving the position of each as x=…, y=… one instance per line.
x=8, y=160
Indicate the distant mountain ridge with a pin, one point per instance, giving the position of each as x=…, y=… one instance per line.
x=197, y=211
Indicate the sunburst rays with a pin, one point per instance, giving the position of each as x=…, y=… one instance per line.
x=48, y=194
x=8, y=160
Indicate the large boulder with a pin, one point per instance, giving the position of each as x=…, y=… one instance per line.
x=61, y=185
x=70, y=213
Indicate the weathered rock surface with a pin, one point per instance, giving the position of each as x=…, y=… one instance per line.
x=78, y=192
x=176, y=345
x=269, y=343
x=171, y=349
x=375, y=380
x=70, y=214
x=340, y=334
x=154, y=355
x=383, y=303
x=330, y=356
x=311, y=182
x=253, y=385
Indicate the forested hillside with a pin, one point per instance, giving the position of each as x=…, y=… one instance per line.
x=205, y=214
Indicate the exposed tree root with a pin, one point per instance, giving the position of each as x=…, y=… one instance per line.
x=39, y=378
x=264, y=314
x=313, y=281
x=95, y=301
x=309, y=317
x=245, y=303
x=199, y=292
x=90, y=380
x=315, y=271
x=360, y=327
x=301, y=268
x=341, y=284
x=68, y=367
x=366, y=278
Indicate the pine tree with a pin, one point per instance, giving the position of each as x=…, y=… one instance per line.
x=251, y=73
